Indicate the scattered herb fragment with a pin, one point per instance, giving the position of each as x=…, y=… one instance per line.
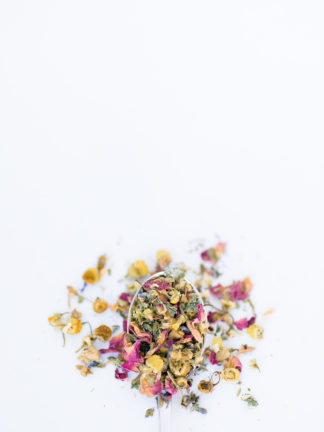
x=149, y=412
x=164, y=342
x=251, y=401
x=254, y=365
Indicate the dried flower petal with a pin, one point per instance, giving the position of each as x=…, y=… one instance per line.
x=121, y=375
x=213, y=317
x=195, y=332
x=132, y=357
x=268, y=313
x=241, y=324
x=89, y=354
x=84, y=370
x=213, y=254
x=148, y=388
x=162, y=336
x=212, y=358
x=156, y=284
x=55, y=318
x=141, y=334
x=245, y=349
x=102, y=261
x=238, y=292
x=223, y=354
x=234, y=362
x=218, y=290
x=116, y=344
x=170, y=386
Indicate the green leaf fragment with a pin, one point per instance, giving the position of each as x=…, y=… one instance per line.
x=149, y=412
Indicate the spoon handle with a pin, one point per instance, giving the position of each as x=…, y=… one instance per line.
x=165, y=417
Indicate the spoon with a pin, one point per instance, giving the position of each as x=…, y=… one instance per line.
x=165, y=410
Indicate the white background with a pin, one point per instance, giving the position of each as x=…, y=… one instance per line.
x=129, y=126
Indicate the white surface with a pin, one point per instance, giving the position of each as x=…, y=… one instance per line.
x=149, y=124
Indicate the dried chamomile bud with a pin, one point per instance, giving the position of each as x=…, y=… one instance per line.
x=100, y=305
x=205, y=386
x=103, y=333
x=182, y=382
x=179, y=367
x=91, y=276
x=255, y=331
x=138, y=269
x=148, y=314
x=199, y=359
x=163, y=258
x=73, y=326
x=230, y=374
x=155, y=362
x=175, y=297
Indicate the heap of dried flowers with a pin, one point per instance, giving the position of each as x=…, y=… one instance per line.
x=164, y=340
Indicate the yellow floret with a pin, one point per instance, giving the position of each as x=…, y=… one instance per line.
x=155, y=362
x=255, y=331
x=138, y=269
x=230, y=374
x=91, y=276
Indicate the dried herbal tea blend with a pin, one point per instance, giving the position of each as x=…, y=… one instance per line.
x=167, y=324
x=163, y=343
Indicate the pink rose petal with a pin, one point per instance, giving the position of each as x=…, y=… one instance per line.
x=237, y=292
x=218, y=290
x=120, y=375
x=236, y=363
x=170, y=387
x=212, y=358
x=241, y=324
x=141, y=334
x=116, y=344
x=157, y=284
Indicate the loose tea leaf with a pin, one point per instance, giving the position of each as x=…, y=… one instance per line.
x=251, y=401
x=149, y=412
